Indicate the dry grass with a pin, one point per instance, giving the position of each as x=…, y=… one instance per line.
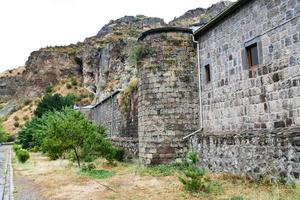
x=60, y=179
x=13, y=72
x=66, y=87
x=23, y=114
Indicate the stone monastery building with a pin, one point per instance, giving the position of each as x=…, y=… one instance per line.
x=229, y=91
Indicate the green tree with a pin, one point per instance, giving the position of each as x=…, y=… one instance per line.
x=3, y=134
x=32, y=134
x=70, y=131
x=53, y=102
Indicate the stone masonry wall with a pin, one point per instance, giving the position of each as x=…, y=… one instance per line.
x=252, y=115
x=266, y=96
x=122, y=128
x=168, y=95
x=251, y=153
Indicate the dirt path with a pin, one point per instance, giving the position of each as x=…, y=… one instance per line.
x=25, y=189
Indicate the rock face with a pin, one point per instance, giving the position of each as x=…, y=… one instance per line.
x=103, y=60
x=106, y=56
x=199, y=16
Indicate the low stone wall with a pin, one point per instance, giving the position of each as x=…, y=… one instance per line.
x=252, y=153
x=130, y=144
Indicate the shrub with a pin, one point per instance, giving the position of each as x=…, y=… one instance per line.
x=22, y=155
x=27, y=102
x=25, y=118
x=49, y=89
x=73, y=81
x=16, y=147
x=10, y=138
x=16, y=118
x=32, y=134
x=69, y=86
x=70, y=131
x=16, y=124
x=119, y=154
x=53, y=102
x=195, y=179
x=124, y=97
x=140, y=51
x=3, y=134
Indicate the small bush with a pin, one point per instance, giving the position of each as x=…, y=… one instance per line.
x=27, y=102
x=119, y=154
x=195, y=179
x=140, y=51
x=124, y=97
x=16, y=118
x=49, y=89
x=73, y=81
x=88, y=167
x=16, y=124
x=10, y=138
x=22, y=155
x=25, y=118
x=3, y=134
x=69, y=86
x=16, y=147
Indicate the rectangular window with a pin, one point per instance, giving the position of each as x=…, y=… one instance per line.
x=207, y=74
x=252, y=55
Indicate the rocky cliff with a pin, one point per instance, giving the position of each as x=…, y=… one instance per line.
x=199, y=16
x=103, y=61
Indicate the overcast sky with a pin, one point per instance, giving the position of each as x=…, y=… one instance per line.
x=27, y=25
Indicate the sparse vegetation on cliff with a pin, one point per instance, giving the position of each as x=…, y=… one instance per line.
x=124, y=97
x=141, y=51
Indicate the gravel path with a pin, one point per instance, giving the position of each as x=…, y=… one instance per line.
x=6, y=183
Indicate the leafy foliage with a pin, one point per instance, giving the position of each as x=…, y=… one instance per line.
x=32, y=134
x=68, y=131
x=22, y=155
x=195, y=179
x=48, y=89
x=53, y=102
x=124, y=97
x=3, y=134
x=140, y=51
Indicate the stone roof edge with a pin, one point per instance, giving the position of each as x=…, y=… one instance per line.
x=108, y=97
x=164, y=30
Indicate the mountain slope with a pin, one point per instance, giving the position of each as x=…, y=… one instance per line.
x=102, y=62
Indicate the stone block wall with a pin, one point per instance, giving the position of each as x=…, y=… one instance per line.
x=121, y=128
x=251, y=115
x=266, y=96
x=168, y=95
x=251, y=153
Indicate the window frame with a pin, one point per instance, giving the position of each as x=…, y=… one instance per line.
x=258, y=41
x=207, y=73
x=250, y=55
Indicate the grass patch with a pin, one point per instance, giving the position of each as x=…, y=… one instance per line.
x=162, y=170
x=97, y=173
